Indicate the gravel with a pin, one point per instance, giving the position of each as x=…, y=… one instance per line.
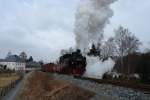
x=105, y=91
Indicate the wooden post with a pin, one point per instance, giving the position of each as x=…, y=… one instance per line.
x=6, y=89
x=0, y=92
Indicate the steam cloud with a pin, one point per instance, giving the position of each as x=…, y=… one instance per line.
x=91, y=19
x=96, y=68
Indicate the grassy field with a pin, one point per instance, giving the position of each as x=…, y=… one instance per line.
x=6, y=79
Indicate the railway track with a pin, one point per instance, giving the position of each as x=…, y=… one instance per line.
x=136, y=86
x=145, y=88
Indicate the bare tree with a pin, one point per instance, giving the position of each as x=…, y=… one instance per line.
x=147, y=49
x=108, y=49
x=148, y=46
x=126, y=43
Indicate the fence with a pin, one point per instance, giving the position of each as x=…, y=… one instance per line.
x=6, y=89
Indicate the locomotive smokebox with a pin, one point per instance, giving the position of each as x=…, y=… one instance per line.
x=73, y=63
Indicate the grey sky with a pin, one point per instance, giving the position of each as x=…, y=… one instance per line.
x=43, y=27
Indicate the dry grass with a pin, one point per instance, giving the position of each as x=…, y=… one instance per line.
x=70, y=93
x=5, y=80
x=40, y=86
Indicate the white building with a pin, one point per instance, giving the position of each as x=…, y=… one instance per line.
x=13, y=62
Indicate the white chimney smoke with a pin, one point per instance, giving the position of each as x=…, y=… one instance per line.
x=90, y=21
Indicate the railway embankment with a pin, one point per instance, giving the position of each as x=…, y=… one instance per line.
x=107, y=90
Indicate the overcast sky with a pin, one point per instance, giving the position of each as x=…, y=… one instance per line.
x=42, y=28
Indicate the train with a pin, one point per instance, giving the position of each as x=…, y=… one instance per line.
x=71, y=63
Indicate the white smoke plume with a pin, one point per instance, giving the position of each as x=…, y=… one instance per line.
x=91, y=19
x=67, y=51
x=96, y=68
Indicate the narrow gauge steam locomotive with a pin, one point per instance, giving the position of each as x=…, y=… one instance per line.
x=73, y=63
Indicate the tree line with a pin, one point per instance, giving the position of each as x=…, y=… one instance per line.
x=123, y=47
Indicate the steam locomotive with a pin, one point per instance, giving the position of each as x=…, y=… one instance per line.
x=71, y=63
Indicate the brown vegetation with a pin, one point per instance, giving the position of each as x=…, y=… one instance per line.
x=40, y=86
x=6, y=79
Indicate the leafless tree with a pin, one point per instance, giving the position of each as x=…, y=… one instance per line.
x=126, y=43
x=148, y=48
x=108, y=49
